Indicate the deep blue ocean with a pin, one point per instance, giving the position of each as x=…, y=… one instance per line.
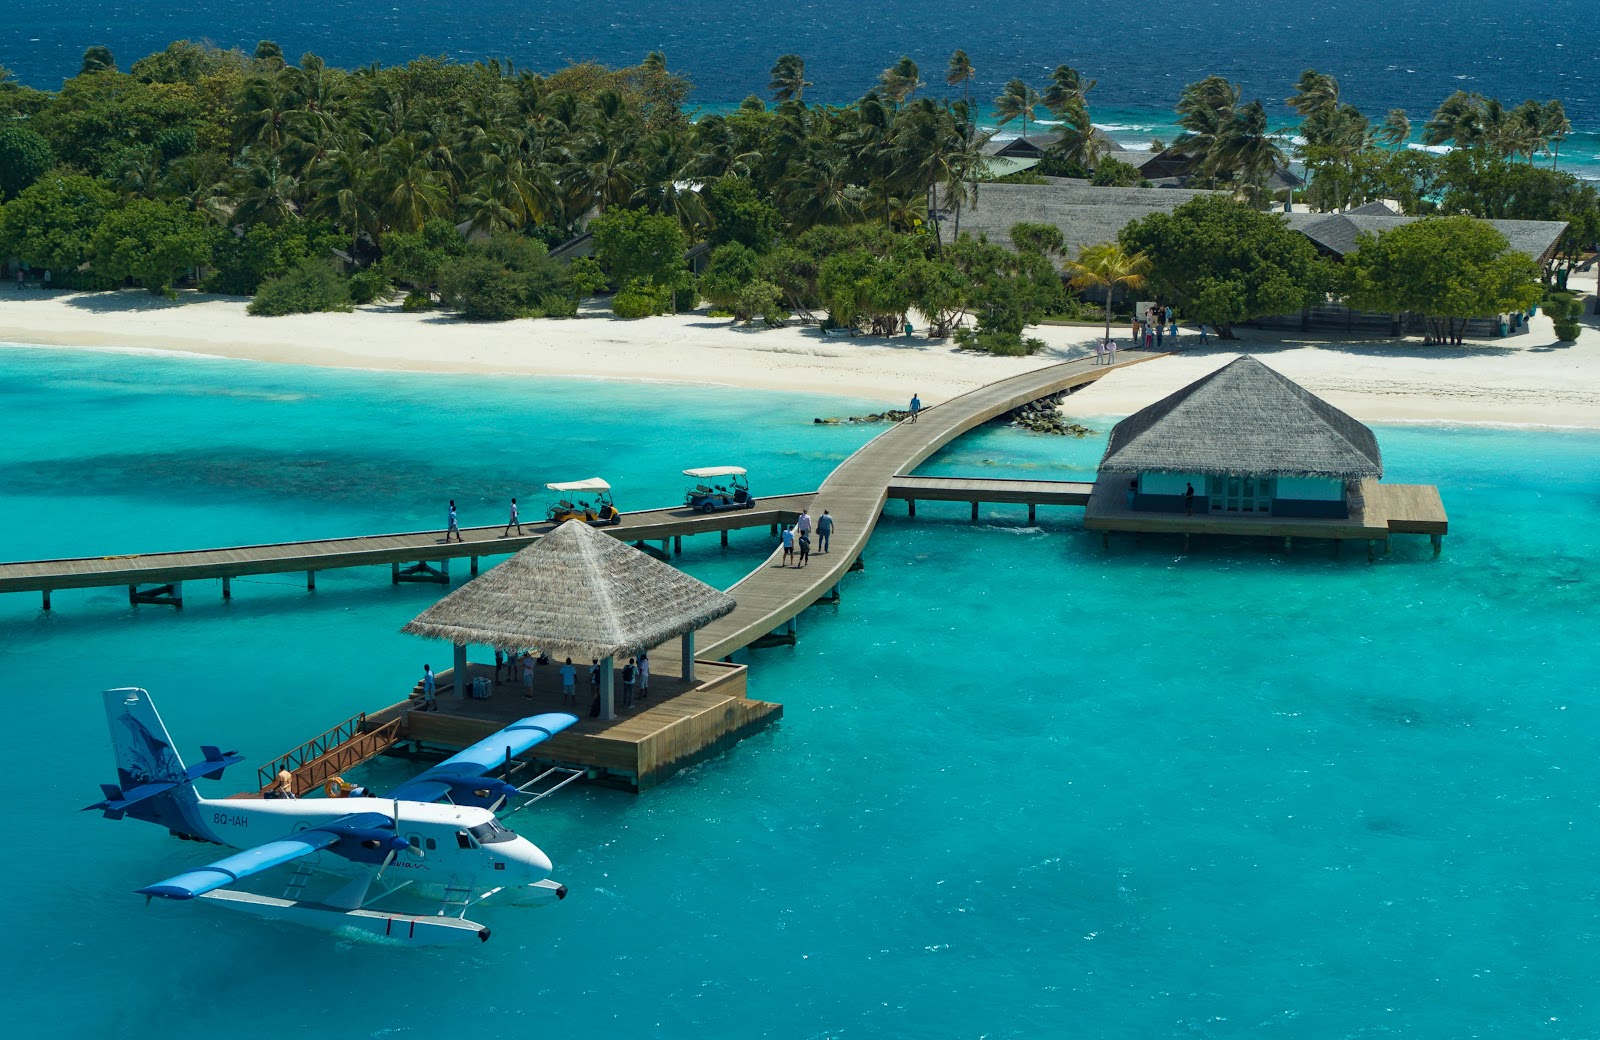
x=1386, y=53
x=1023, y=787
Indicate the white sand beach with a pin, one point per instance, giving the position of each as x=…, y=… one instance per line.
x=1527, y=379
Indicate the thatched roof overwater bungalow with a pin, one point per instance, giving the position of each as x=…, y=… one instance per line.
x=1242, y=441
x=575, y=593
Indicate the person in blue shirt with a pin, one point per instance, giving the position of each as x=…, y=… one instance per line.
x=916, y=406
x=451, y=527
x=428, y=703
x=788, y=545
x=569, y=680
x=824, y=530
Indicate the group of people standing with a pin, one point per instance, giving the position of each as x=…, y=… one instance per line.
x=797, y=539
x=635, y=676
x=1151, y=330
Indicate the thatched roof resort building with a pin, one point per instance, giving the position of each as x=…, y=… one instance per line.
x=1247, y=451
x=579, y=593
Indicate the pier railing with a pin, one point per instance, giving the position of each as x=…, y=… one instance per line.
x=316, y=748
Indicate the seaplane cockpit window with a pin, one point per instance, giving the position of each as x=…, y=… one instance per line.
x=464, y=839
x=491, y=832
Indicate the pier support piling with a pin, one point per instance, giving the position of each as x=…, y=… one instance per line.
x=311, y=581
x=165, y=595
x=1031, y=508
x=911, y=507
x=474, y=566
x=724, y=537
x=974, y=512
x=677, y=543
x=439, y=575
x=227, y=588
x=47, y=599
x=1437, y=539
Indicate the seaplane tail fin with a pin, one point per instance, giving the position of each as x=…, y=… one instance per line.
x=152, y=782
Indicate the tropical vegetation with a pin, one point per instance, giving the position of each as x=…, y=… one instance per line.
x=312, y=187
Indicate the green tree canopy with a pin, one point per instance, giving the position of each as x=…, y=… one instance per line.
x=154, y=243
x=50, y=223
x=24, y=157
x=633, y=244
x=1447, y=269
x=1222, y=262
x=739, y=214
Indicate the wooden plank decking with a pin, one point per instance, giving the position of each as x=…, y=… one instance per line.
x=365, y=550
x=1383, y=509
x=977, y=489
x=855, y=493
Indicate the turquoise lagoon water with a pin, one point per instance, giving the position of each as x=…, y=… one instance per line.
x=1023, y=786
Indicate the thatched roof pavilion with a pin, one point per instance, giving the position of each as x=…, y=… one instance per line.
x=576, y=593
x=1244, y=440
x=1244, y=418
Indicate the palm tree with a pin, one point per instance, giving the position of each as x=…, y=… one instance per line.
x=197, y=181
x=789, y=81
x=345, y=191
x=1106, y=265
x=1067, y=89
x=1017, y=99
x=1459, y=119
x=1206, y=114
x=819, y=191
x=961, y=71
x=1396, y=129
x=1249, y=154
x=1556, y=127
x=1315, y=93
x=409, y=190
x=263, y=106
x=666, y=174
x=264, y=190
x=900, y=80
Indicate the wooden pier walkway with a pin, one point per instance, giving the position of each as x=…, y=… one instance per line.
x=400, y=551
x=772, y=596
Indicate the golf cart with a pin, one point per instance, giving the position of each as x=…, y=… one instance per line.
x=708, y=495
x=569, y=507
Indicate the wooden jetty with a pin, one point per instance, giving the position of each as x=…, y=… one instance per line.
x=772, y=596
x=684, y=722
x=1031, y=493
x=411, y=556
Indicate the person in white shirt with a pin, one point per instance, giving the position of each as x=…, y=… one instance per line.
x=514, y=521
x=644, y=676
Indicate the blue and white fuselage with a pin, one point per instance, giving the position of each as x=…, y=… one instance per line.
x=409, y=838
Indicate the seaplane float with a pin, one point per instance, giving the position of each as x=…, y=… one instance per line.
x=437, y=837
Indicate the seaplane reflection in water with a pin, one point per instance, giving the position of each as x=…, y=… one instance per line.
x=437, y=835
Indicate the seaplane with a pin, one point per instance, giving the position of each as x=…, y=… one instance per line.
x=437, y=835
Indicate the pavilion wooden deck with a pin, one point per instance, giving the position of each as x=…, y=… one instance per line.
x=402, y=550
x=678, y=724
x=772, y=596
x=1383, y=510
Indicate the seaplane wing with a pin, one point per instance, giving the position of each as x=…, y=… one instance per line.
x=364, y=837
x=464, y=776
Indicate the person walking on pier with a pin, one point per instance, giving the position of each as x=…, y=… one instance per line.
x=499, y=663
x=428, y=702
x=644, y=675
x=515, y=520
x=569, y=682
x=788, y=545
x=916, y=406
x=824, y=530
x=629, y=674
x=805, y=549
x=451, y=526
x=803, y=525
x=1188, y=499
